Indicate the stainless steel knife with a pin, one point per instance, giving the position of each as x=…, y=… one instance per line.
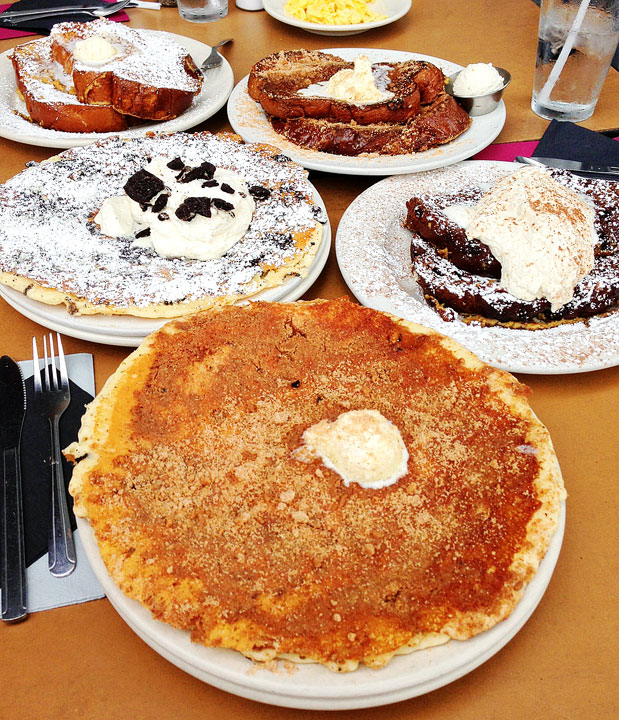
x=573, y=165
x=13, y=557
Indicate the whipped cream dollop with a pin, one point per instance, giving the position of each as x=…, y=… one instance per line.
x=95, y=50
x=477, y=79
x=541, y=232
x=362, y=446
x=180, y=211
x=356, y=85
x=362, y=85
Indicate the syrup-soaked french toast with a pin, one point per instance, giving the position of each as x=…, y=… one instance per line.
x=282, y=83
x=436, y=124
x=387, y=108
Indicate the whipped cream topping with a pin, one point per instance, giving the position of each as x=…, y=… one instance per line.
x=94, y=50
x=356, y=85
x=362, y=446
x=174, y=223
x=477, y=79
x=541, y=232
x=362, y=85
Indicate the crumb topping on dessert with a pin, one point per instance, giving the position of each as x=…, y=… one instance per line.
x=268, y=554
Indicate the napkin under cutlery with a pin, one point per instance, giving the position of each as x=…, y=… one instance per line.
x=43, y=590
x=569, y=141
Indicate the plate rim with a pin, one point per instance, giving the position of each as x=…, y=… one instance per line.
x=350, y=690
x=382, y=165
x=64, y=140
x=462, y=333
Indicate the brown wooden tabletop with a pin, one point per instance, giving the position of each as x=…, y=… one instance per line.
x=83, y=661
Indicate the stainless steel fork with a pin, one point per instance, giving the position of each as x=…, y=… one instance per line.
x=51, y=399
x=214, y=59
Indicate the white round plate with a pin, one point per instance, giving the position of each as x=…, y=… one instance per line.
x=129, y=331
x=393, y=9
x=215, y=91
x=373, y=253
x=250, y=122
x=311, y=686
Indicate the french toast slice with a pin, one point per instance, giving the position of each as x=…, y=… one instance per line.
x=149, y=77
x=276, y=81
x=459, y=273
x=49, y=98
x=437, y=123
x=450, y=239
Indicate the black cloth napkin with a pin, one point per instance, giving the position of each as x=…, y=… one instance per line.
x=36, y=469
x=569, y=141
x=42, y=26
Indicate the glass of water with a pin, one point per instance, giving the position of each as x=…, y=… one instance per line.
x=202, y=10
x=575, y=46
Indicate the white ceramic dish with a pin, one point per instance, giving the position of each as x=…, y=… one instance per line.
x=129, y=331
x=250, y=122
x=373, y=252
x=393, y=9
x=213, y=96
x=313, y=687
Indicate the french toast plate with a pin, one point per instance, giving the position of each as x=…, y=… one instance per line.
x=373, y=253
x=212, y=97
x=129, y=331
x=251, y=123
x=314, y=687
x=392, y=10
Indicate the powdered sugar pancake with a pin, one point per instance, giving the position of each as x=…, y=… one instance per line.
x=51, y=249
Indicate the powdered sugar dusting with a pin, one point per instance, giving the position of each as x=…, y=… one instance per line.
x=46, y=231
x=41, y=85
x=153, y=59
x=373, y=251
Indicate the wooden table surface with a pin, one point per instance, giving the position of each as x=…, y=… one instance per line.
x=83, y=661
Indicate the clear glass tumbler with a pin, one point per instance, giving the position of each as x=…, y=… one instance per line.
x=202, y=10
x=575, y=46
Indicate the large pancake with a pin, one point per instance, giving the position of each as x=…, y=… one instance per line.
x=52, y=251
x=204, y=514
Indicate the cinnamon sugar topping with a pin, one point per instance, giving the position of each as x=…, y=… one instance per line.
x=193, y=470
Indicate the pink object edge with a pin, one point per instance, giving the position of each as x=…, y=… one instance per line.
x=508, y=151
x=6, y=34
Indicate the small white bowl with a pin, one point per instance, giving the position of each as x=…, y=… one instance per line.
x=476, y=105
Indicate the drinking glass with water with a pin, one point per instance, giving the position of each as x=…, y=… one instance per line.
x=576, y=43
x=202, y=10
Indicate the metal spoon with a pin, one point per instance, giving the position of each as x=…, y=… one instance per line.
x=214, y=59
x=16, y=16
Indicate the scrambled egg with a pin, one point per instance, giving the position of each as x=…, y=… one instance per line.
x=332, y=12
